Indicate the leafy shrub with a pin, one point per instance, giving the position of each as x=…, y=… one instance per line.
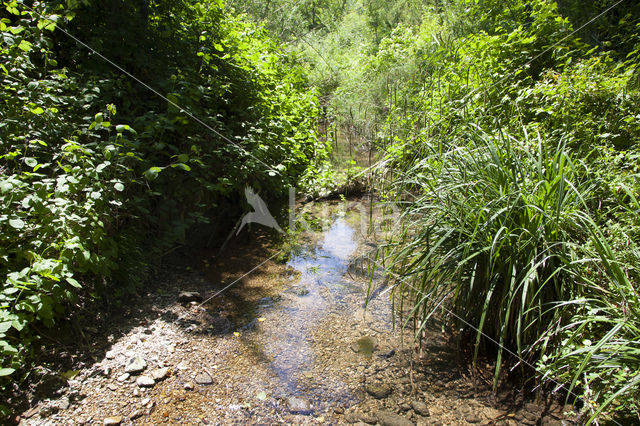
x=99, y=175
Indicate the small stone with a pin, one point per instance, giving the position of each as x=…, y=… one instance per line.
x=368, y=418
x=62, y=403
x=386, y=418
x=114, y=420
x=135, y=414
x=420, y=408
x=188, y=386
x=160, y=374
x=297, y=405
x=351, y=417
x=204, y=378
x=110, y=355
x=112, y=387
x=338, y=410
x=136, y=392
x=145, y=401
x=472, y=418
x=135, y=365
x=124, y=377
x=171, y=349
x=189, y=296
x=145, y=382
x=378, y=391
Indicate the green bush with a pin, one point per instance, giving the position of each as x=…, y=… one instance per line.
x=100, y=175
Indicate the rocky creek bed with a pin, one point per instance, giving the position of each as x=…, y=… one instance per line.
x=290, y=343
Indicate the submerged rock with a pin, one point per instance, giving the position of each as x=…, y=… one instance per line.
x=297, y=405
x=420, y=408
x=378, y=390
x=365, y=345
x=387, y=418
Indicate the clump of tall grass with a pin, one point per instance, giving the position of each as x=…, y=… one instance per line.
x=500, y=232
x=490, y=232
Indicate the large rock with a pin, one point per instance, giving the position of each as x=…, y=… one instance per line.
x=387, y=418
x=297, y=405
x=135, y=365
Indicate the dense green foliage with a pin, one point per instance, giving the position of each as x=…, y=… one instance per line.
x=519, y=155
x=99, y=175
x=513, y=131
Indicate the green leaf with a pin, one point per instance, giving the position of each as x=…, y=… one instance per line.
x=152, y=173
x=182, y=166
x=5, y=187
x=99, y=117
x=118, y=187
x=17, y=223
x=6, y=371
x=183, y=158
x=70, y=374
x=73, y=282
x=37, y=111
x=31, y=162
x=25, y=45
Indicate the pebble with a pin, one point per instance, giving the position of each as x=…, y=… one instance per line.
x=114, y=420
x=386, y=418
x=160, y=374
x=472, y=418
x=188, y=386
x=378, y=391
x=204, y=378
x=145, y=382
x=135, y=365
x=420, y=408
x=110, y=355
x=124, y=377
x=368, y=418
x=297, y=405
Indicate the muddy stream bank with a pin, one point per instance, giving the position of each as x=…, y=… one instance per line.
x=290, y=343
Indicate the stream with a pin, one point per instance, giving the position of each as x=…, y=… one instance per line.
x=290, y=343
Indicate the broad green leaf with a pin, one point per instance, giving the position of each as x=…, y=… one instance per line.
x=17, y=223
x=5, y=187
x=182, y=166
x=6, y=371
x=152, y=173
x=73, y=282
x=37, y=110
x=25, y=45
x=118, y=187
